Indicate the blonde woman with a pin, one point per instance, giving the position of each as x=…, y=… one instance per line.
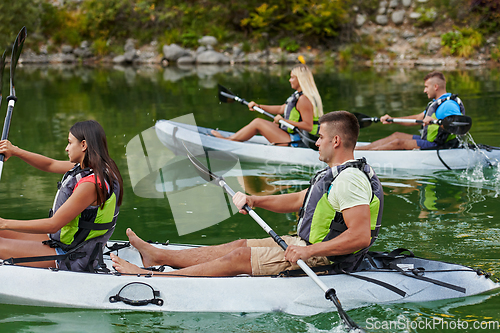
x=302, y=109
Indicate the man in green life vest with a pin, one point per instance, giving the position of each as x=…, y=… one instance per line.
x=340, y=217
x=443, y=104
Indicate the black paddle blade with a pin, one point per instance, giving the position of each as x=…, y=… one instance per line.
x=364, y=120
x=200, y=168
x=457, y=124
x=17, y=48
x=2, y=66
x=225, y=96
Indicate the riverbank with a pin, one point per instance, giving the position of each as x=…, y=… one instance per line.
x=399, y=33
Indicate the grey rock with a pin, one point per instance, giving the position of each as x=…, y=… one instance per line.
x=130, y=55
x=407, y=34
x=129, y=45
x=66, y=49
x=434, y=44
x=120, y=59
x=393, y=3
x=201, y=49
x=360, y=20
x=84, y=44
x=207, y=40
x=398, y=16
x=381, y=19
x=82, y=52
x=415, y=15
x=173, y=52
x=66, y=58
x=43, y=49
x=211, y=57
x=185, y=60
x=381, y=10
x=406, y=3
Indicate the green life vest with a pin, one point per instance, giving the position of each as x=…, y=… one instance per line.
x=319, y=222
x=93, y=225
x=292, y=114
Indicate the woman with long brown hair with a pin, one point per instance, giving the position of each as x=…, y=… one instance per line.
x=85, y=209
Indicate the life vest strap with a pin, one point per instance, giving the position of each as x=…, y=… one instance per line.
x=95, y=226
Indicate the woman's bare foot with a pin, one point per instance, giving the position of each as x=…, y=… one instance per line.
x=146, y=250
x=217, y=134
x=123, y=266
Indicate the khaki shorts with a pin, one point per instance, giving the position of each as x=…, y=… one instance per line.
x=268, y=258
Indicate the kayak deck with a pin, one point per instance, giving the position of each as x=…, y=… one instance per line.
x=258, y=149
x=297, y=295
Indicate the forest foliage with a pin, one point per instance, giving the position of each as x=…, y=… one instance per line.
x=256, y=23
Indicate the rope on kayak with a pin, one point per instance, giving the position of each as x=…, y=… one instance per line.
x=439, y=156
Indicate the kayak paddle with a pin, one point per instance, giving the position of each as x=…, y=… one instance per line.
x=16, y=52
x=226, y=96
x=2, y=67
x=456, y=124
x=330, y=293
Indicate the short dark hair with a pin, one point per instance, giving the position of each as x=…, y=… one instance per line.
x=345, y=124
x=437, y=74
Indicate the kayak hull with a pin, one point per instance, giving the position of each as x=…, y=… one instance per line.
x=294, y=295
x=258, y=150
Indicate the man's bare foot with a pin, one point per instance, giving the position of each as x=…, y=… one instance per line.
x=217, y=134
x=146, y=250
x=123, y=266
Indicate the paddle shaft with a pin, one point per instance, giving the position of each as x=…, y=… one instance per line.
x=329, y=292
x=17, y=47
x=396, y=120
x=258, y=109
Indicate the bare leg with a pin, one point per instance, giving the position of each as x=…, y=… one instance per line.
x=234, y=263
x=152, y=255
x=399, y=144
x=18, y=248
x=269, y=130
x=21, y=235
x=376, y=145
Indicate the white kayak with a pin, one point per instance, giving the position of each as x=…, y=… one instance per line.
x=259, y=150
x=400, y=279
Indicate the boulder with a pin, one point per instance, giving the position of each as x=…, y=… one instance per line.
x=360, y=20
x=173, y=52
x=393, y=3
x=66, y=49
x=130, y=55
x=186, y=60
x=398, y=16
x=207, y=40
x=381, y=19
x=120, y=59
x=211, y=57
x=129, y=45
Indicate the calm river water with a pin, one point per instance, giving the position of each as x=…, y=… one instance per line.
x=449, y=215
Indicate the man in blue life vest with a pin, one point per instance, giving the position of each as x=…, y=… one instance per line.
x=443, y=104
x=340, y=217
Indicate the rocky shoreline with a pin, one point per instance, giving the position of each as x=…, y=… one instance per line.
x=394, y=26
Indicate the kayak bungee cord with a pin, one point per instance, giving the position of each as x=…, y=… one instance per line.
x=330, y=293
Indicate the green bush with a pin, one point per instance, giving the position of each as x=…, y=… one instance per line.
x=461, y=42
x=289, y=44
